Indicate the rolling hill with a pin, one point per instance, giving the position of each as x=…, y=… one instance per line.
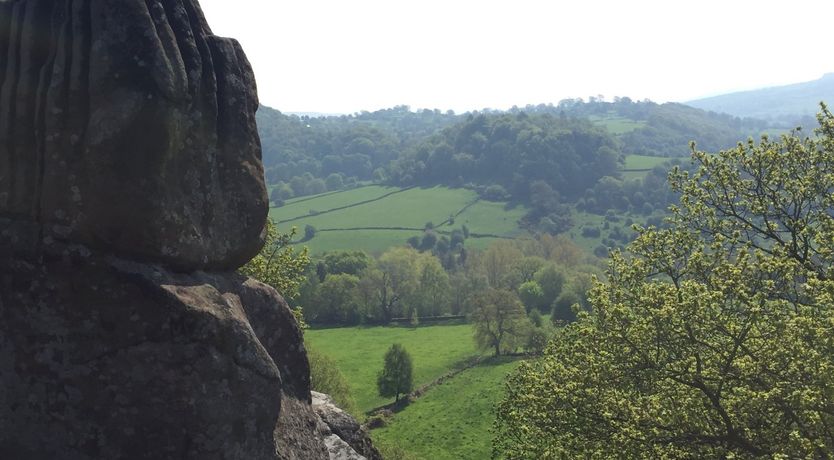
x=788, y=103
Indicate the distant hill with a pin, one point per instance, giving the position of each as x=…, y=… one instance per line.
x=787, y=103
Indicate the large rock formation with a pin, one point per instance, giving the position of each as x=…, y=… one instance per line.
x=130, y=189
x=105, y=358
x=127, y=126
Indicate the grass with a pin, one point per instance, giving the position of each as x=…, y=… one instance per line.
x=643, y=162
x=408, y=208
x=616, y=124
x=637, y=166
x=373, y=242
x=493, y=218
x=298, y=207
x=585, y=219
x=374, y=218
x=358, y=351
x=453, y=420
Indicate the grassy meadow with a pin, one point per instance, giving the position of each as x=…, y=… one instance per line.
x=359, y=352
x=637, y=166
x=374, y=218
x=453, y=420
x=616, y=124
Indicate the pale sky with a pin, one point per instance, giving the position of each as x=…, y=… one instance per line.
x=344, y=56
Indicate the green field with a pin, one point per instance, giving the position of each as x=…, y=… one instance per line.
x=374, y=218
x=643, y=161
x=359, y=351
x=453, y=420
x=302, y=206
x=637, y=166
x=584, y=219
x=616, y=124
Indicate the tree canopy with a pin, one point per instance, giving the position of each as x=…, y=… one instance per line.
x=395, y=378
x=510, y=152
x=499, y=320
x=279, y=264
x=713, y=338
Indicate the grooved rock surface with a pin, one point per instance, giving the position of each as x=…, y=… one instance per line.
x=131, y=187
x=126, y=126
x=105, y=358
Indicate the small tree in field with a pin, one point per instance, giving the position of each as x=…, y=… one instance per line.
x=395, y=378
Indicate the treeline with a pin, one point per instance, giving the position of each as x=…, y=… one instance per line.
x=552, y=159
x=556, y=143
x=665, y=130
x=310, y=155
x=511, y=151
x=548, y=275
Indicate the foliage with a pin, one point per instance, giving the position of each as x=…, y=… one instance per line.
x=499, y=321
x=396, y=376
x=562, y=308
x=531, y=295
x=537, y=339
x=349, y=262
x=663, y=129
x=309, y=232
x=715, y=338
x=404, y=282
x=337, y=300
x=325, y=377
x=506, y=152
x=278, y=264
x=551, y=280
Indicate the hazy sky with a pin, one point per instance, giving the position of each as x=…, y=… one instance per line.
x=343, y=56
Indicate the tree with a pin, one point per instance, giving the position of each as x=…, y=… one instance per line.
x=337, y=299
x=531, y=295
x=551, y=280
x=432, y=295
x=526, y=267
x=278, y=264
x=714, y=338
x=350, y=262
x=562, y=308
x=309, y=232
x=391, y=282
x=275, y=197
x=498, y=262
x=325, y=377
x=499, y=320
x=334, y=181
x=395, y=377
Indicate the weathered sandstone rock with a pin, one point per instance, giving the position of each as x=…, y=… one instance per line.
x=125, y=125
x=345, y=437
x=130, y=189
x=105, y=358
